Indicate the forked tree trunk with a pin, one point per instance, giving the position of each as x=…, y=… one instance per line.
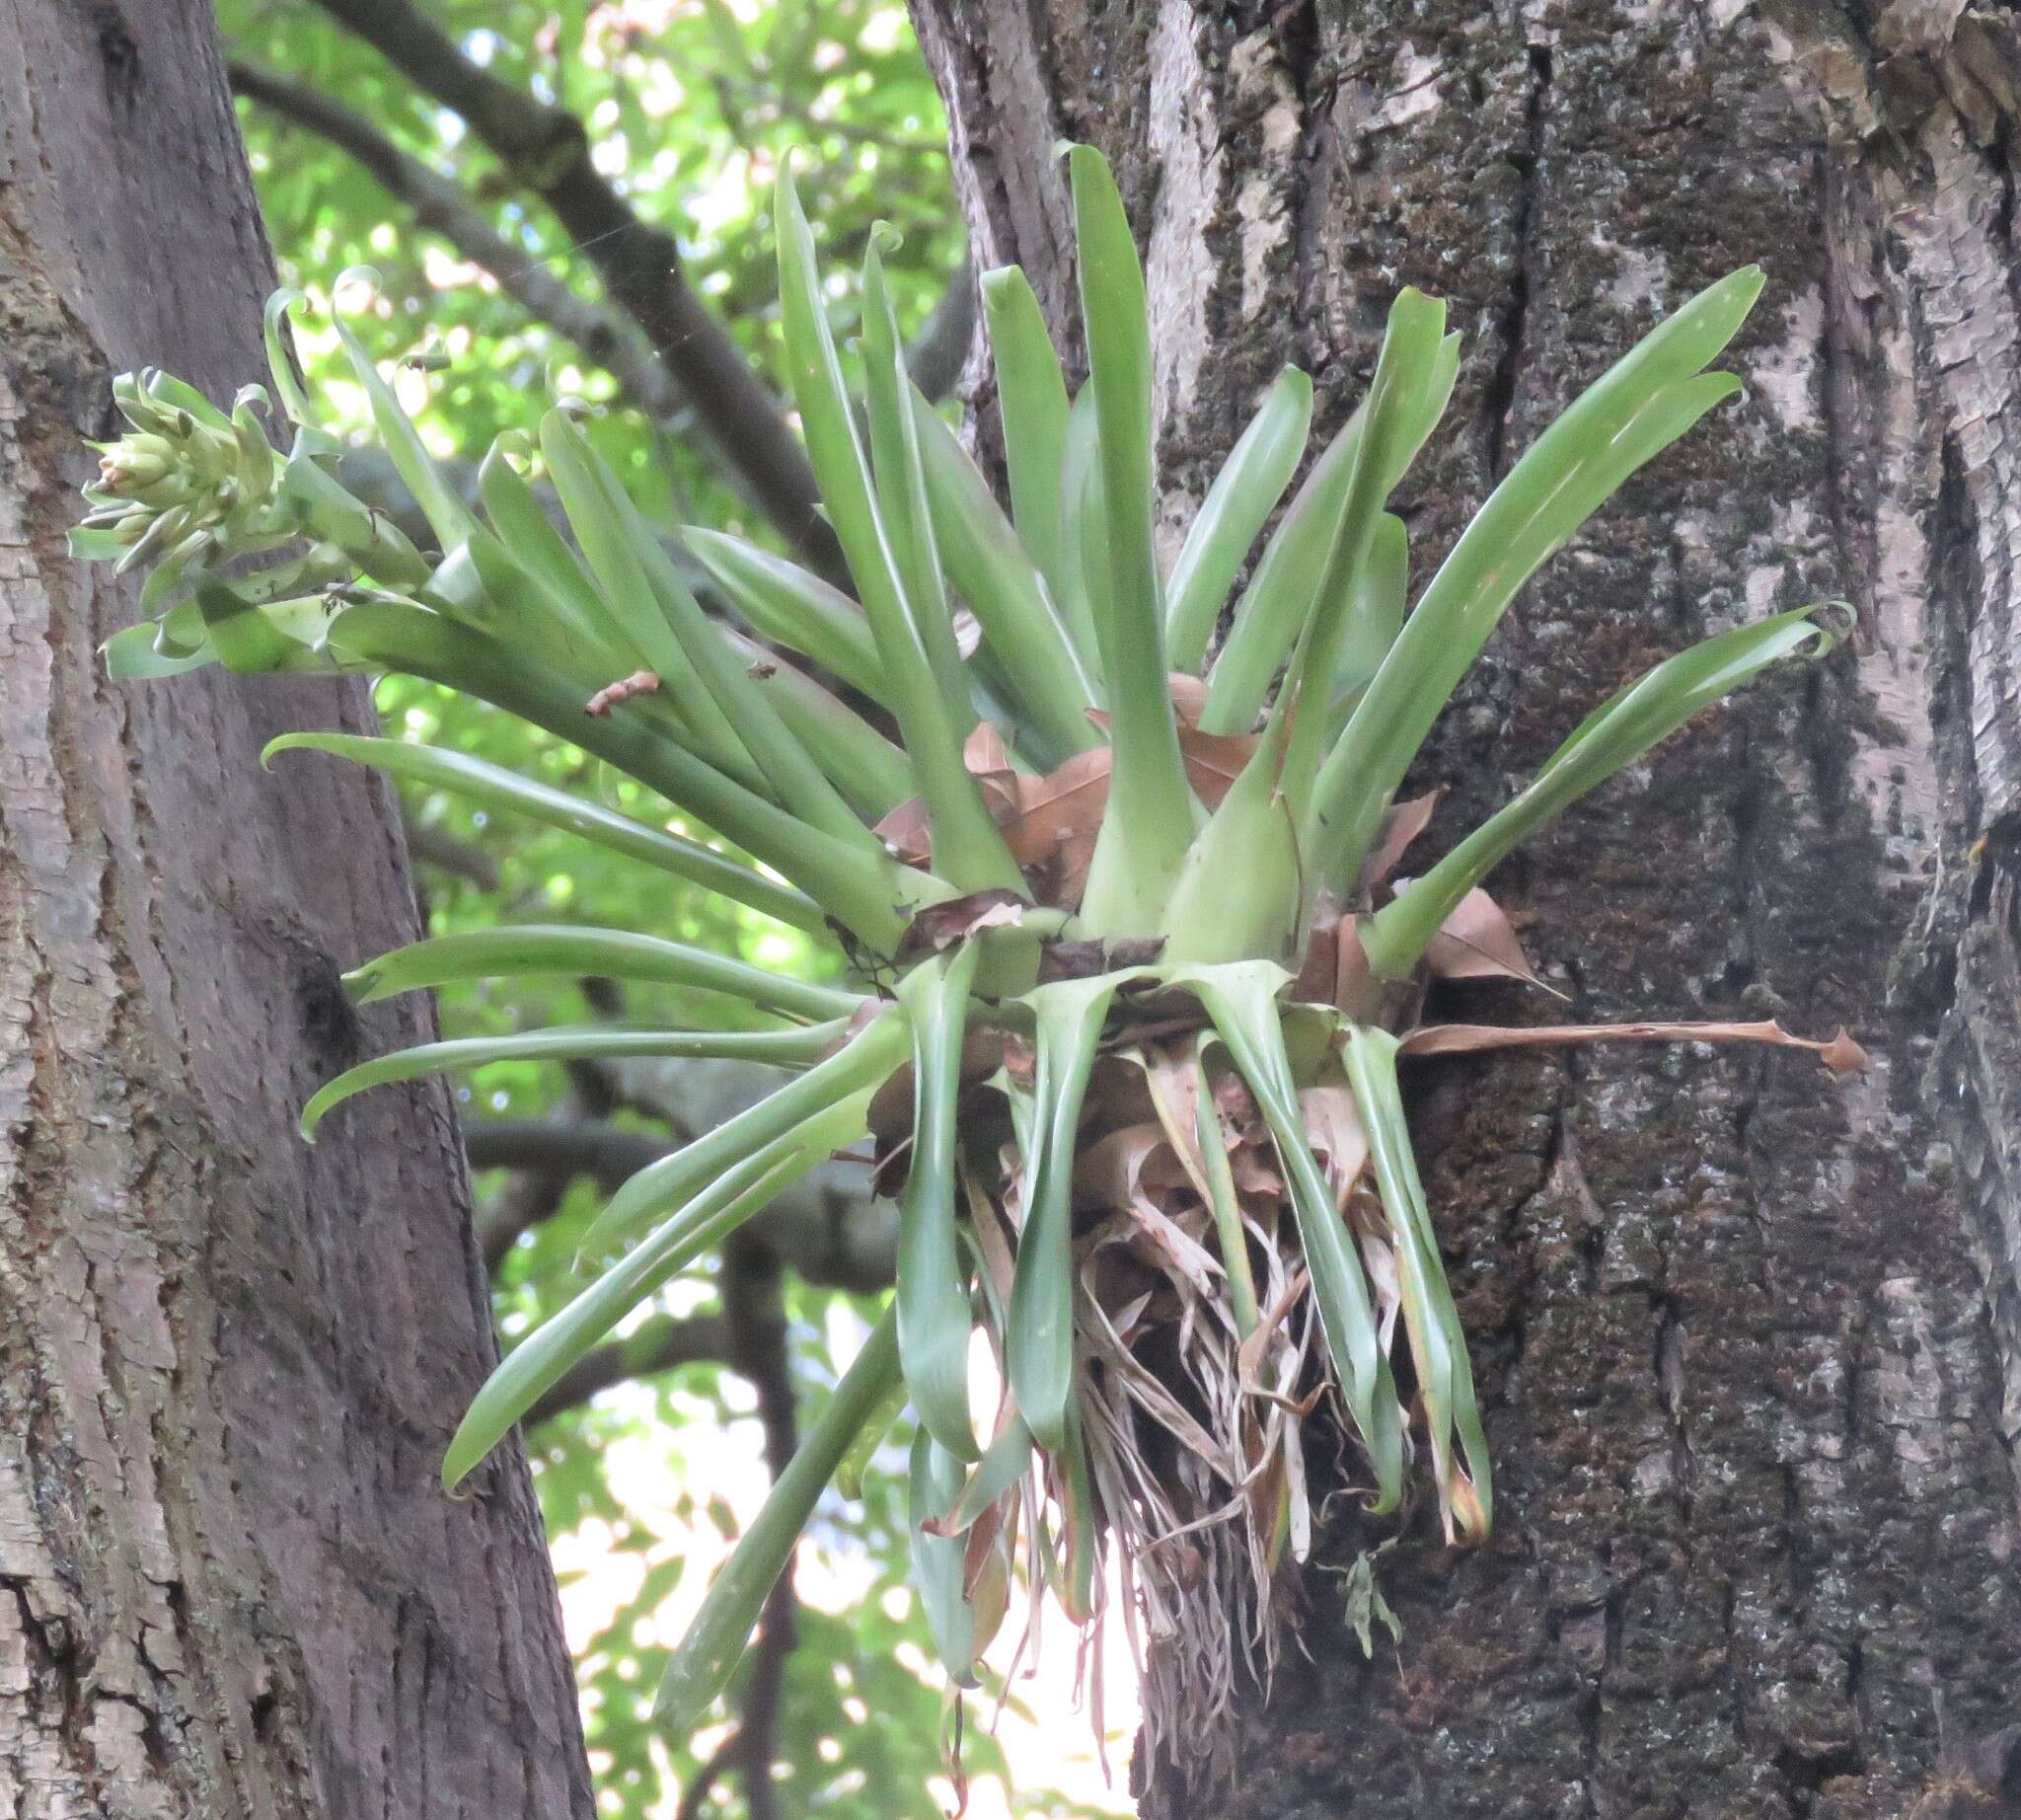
x=230, y=1585
x=1748, y=1343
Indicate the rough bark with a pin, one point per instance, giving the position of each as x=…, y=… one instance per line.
x=229, y=1583
x=1750, y=1346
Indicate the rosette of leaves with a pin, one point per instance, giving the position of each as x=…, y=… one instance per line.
x=1133, y=970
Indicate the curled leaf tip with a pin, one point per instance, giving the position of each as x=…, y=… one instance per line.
x=1842, y=1054
x=366, y=278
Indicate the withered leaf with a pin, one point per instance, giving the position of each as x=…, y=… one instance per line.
x=1402, y=823
x=936, y=927
x=1063, y=959
x=1839, y=1053
x=1213, y=761
x=1478, y=942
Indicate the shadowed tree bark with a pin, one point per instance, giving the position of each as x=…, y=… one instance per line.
x=230, y=1585
x=1749, y=1345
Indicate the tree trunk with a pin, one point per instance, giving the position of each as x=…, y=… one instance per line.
x=230, y=1584
x=1751, y=1345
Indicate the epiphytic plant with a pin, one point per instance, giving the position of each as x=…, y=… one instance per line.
x=1134, y=968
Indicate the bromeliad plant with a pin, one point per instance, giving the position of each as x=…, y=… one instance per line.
x=1133, y=969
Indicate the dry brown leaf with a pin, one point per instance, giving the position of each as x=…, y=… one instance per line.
x=1333, y=1128
x=1118, y=1173
x=1189, y=696
x=1839, y=1053
x=904, y=834
x=1063, y=960
x=1213, y=761
x=1402, y=823
x=1059, y=816
x=1107, y=1173
x=936, y=927
x=1249, y=1355
x=904, y=830
x=988, y=760
x=1478, y=942
x=992, y=1239
x=1172, y=1073
x=1317, y=968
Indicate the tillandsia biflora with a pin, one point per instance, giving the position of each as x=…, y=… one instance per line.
x=1133, y=967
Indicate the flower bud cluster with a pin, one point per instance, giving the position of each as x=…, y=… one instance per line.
x=186, y=484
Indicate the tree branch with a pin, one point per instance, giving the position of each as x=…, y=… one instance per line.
x=548, y=151
x=452, y=853
x=442, y=208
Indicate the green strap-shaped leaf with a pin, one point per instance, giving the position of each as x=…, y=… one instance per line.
x=1222, y=1202
x=447, y=516
x=708, y=1652
x=1241, y=1001
x=527, y=948
x=1005, y=1461
x=132, y=655
x=1244, y=496
x=616, y=555
x=902, y=489
x=1081, y=588
x=792, y=774
x=1151, y=809
x=369, y=539
x=1031, y=397
x=1073, y=1578
x=932, y=1305
x=849, y=1476
x=1279, y=598
x=1636, y=410
x=865, y=891
x=280, y=362
x=870, y=774
x=536, y=1364
x=478, y=780
x=938, y=1562
x=995, y=572
x=1406, y=373
x=967, y=849
x=1438, y=1344
x=255, y=641
x=1374, y=615
x=512, y=603
x=1038, y=1344
x=1239, y=896
x=790, y=607
x=863, y=1065
x=794, y=1048
x=529, y=537
x=1615, y=734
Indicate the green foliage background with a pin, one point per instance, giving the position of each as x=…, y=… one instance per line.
x=690, y=104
